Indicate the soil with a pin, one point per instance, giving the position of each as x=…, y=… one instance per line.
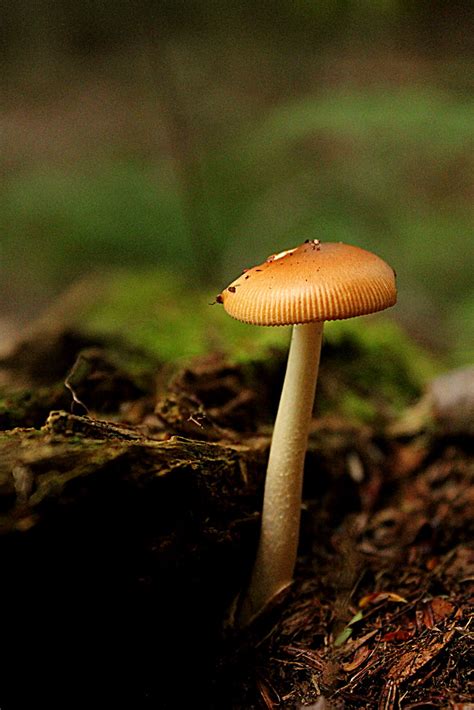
x=130, y=504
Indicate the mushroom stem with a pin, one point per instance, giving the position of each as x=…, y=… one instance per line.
x=276, y=555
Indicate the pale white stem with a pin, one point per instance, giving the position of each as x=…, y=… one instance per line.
x=276, y=555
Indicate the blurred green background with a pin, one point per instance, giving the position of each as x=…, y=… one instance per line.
x=201, y=136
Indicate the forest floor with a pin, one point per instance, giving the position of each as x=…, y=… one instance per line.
x=129, y=517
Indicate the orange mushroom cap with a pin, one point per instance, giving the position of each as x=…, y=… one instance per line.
x=313, y=282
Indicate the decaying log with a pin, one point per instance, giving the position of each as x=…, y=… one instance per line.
x=119, y=554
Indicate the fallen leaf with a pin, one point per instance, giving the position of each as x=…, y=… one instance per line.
x=377, y=597
x=346, y=632
x=360, y=656
x=432, y=563
x=442, y=608
x=436, y=610
x=357, y=643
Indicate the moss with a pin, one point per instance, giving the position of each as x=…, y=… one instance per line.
x=158, y=313
x=28, y=407
x=356, y=408
x=371, y=366
x=371, y=369
x=389, y=348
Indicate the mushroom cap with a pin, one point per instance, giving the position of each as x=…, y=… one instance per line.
x=313, y=282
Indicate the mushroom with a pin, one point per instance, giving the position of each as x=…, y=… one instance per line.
x=302, y=287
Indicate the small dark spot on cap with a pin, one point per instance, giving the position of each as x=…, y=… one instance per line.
x=231, y=289
x=219, y=299
x=258, y=269
x=248, y=276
